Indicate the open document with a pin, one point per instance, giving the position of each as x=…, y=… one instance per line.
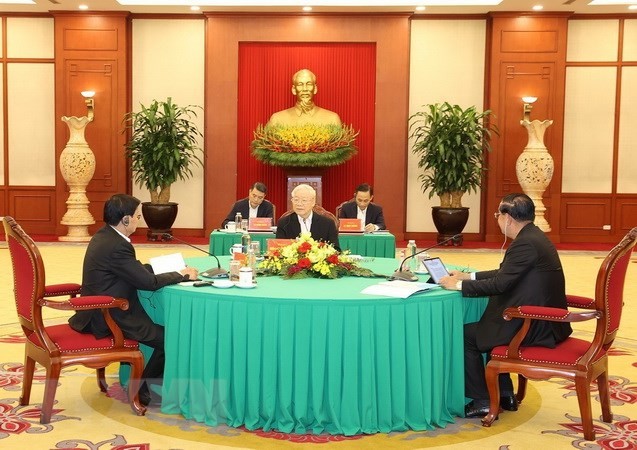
x=398, y=288
x=167, y=263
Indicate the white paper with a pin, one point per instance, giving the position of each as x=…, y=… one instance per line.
x=167, y=263
x=397, y=288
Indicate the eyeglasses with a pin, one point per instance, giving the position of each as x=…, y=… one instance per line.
x=301, y=201
x=497, y=214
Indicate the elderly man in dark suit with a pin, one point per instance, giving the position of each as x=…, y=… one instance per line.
x=530, y=274
x=361, y=206
x=304, y=220
x=111, y=268
x=254, y=205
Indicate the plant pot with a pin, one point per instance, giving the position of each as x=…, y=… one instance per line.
x=159, y=219
x=449, y=222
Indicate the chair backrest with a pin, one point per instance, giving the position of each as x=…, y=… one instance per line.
x=28, y=275
x=317, y=210
x=609, y=288
x=339, y=208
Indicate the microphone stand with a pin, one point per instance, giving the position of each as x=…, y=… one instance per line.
x=217, y=272
x=408, y=275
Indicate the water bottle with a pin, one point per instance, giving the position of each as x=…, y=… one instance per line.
x=245, y=243
x=411, y=251
x=237, y=220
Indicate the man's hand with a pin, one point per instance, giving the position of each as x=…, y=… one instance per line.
x=190, y=272
x=370, y=227
x=450, y=282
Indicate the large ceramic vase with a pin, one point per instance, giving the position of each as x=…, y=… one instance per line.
x=159, y=219
x=77, y=165
x=450, y=222
x=534, y=168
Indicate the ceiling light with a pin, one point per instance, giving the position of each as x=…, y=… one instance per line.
x=368, y=3
x=307, y=8
x=83, y=7
x=538, y=8
x=420, y=8
x=632, y=7
x=195, y=8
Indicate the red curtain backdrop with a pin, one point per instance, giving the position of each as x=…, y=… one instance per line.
x=345, y=78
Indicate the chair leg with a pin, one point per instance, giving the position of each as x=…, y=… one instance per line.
x=521, y=388
x=50, y=386
x=101, y=379
x=604, y=397
x=492, y=372
x=583, y=388
x=27, y=380
x=134, y=383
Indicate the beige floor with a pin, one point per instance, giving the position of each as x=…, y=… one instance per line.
x=539, y=423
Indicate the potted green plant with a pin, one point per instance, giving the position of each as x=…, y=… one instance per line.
x=450, y=143
x=162, y=147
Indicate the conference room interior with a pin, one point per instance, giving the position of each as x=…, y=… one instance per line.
x=376, y=68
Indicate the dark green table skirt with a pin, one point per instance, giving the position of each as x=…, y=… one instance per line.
x=313, y=355
x=378, y=245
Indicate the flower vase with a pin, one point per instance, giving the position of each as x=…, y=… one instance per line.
x=534, y=168
x=77, y=165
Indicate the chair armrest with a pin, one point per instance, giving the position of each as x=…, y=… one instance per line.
x=87, y=302
x=576, y=301
x=548, y=313
x=57, y=290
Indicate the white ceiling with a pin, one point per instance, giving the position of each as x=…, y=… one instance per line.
x=577, y=6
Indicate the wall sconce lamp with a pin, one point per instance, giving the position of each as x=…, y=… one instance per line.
x=528, y=105
x=90, y=103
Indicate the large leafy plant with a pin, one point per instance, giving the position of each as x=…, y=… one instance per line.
x=450, y=143
x=163, y=146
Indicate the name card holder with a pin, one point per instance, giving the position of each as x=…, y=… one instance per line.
x=350, y=226
x=260, y=224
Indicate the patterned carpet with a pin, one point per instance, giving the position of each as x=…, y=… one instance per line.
x=84, y=418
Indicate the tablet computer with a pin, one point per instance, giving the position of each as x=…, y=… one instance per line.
x=436, y=268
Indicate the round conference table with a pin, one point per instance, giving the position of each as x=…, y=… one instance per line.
x=313, y=355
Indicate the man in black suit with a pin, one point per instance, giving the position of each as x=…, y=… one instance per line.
x=530, y=274
x=303, y=219
x=361, y=207
x=111, y=268
x=254, y=205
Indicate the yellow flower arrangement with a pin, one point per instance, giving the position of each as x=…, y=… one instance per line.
x=307, y=257
x=307, y=145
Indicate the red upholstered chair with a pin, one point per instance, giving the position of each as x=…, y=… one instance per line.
x=58, y=346
x=574, y=359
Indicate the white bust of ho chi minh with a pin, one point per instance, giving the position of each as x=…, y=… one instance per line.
x=305, y=111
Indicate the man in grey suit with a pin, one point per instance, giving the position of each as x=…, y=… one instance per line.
x=362, y=207
x=111, y=268
x=530, y=274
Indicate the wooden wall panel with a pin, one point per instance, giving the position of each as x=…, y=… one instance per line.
x=91, y=54
x=33, y=207
x=391, y=36
x=626, y=218
x=527, y=57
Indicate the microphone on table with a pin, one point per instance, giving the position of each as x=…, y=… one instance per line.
x=408, y=275
x=215, y=272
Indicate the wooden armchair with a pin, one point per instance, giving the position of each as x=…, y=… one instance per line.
x=573, y=359
x=59, y=346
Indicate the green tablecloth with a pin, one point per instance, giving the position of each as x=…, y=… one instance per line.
x=381, y=245
x=313, y=355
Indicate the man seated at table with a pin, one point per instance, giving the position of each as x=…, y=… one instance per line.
x=303, y=219
x=254, y=205
x=361, y=207
x=530, y=274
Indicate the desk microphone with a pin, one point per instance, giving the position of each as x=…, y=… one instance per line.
x=407, y=275
x=215, y=272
